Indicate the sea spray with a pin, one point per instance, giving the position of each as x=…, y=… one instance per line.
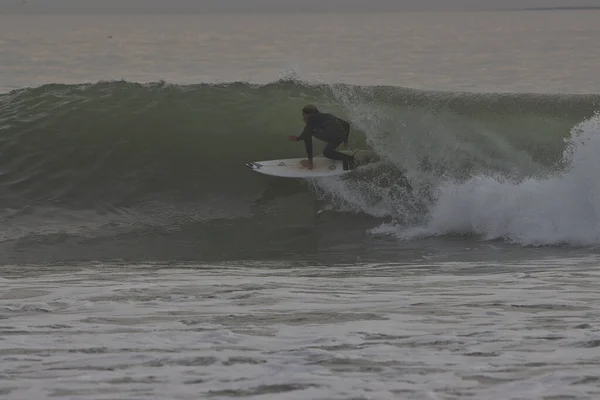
x=560, y=209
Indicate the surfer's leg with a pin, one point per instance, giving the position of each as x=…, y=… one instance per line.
x=329, y=152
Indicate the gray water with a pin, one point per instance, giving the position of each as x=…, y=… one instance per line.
x=553, y=51
x=400, y=316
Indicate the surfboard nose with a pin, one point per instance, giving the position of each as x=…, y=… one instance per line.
x=252, y=165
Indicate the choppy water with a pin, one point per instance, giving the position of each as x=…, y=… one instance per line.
x=140, y=259
x=418, y=330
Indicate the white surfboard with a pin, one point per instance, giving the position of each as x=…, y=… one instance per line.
x=291, y=168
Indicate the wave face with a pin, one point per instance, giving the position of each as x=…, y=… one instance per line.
x=120, y=155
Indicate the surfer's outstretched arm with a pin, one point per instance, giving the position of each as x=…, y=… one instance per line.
x=309, y=147
x=306, y=136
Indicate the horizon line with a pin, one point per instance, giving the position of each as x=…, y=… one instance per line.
x=283, y=11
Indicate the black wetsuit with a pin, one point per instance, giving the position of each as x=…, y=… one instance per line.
x=330, y=129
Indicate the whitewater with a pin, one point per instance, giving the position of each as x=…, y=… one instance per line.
x=558, y=210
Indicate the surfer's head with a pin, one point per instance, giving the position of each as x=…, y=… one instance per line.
x=309, y=110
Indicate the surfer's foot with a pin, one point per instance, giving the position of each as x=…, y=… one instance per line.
x=350, y=165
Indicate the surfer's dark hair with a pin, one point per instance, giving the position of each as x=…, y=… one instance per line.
x=310, y=109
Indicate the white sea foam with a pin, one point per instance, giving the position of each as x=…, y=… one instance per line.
x=562, y=209
x=455, y=330
x=504, y=194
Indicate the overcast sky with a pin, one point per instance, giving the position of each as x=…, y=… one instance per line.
x=274, y=5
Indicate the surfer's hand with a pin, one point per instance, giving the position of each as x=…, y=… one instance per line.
x=293, y=138
x=308, y=164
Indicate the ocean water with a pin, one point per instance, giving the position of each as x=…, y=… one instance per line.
x=139, y=258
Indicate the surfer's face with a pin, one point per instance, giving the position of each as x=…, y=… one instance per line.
x=304, y=117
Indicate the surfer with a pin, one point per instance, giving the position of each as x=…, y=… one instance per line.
x=328, y=128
